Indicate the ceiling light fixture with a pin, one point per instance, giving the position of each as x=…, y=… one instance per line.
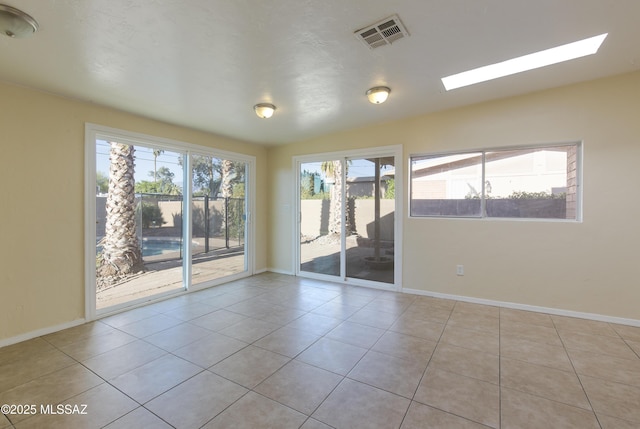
x=16, y=23
x=378, y=94
x=567, y=52
x=264, y=110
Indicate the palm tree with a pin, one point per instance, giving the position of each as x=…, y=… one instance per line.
x=333, y=169
x=121, y=252
x=227, y=168
x=156, y=154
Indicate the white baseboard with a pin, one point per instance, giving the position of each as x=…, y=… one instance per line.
x=40, y=332
x=505, y=304
x=547, y=310
x=534, y=308
x=261, y=270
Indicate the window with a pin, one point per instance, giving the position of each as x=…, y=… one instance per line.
x=533, y=182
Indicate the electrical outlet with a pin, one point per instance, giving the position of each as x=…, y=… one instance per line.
x=460, y=270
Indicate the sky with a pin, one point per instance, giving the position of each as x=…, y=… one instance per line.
x=357, y=168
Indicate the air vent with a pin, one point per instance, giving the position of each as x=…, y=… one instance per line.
x=382, y=33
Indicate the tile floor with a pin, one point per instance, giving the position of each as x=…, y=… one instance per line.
x=274, y=351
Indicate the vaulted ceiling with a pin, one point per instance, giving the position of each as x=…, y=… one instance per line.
x=204, y=63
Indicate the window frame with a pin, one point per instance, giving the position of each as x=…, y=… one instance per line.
x=579, y=145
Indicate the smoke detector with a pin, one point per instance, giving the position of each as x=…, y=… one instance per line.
x=382, y=33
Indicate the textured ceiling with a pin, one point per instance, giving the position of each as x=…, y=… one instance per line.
x=204, y=63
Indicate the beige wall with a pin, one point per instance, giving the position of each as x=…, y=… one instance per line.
x=584, y=267
x=42, y=216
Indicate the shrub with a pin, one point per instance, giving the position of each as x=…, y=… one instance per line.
x=151, y=215
x=522, y=195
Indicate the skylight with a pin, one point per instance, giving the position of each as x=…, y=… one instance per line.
x=567, y=52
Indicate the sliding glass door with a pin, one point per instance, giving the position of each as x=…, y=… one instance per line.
x=347, y=218
x=162, y=217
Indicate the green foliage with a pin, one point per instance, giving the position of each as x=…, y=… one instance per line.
x=523, y=195
x=102, y=182
x=390, y=192
x=207, y=174
x=162, y=185
x=236, y=218
x=146, y=187
x=518, y=195
x=164, y=177
x=238, y=190
x=308, y=186
x=318, y=196
x=151, y=215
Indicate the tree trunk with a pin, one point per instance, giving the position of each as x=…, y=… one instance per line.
x=226, y=186
x=335, y=207
x=121, y=251
x=226, y=190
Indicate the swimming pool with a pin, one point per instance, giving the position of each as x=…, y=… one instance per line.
x=154, y=247
x=160, y=247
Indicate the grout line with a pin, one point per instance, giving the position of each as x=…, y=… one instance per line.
x=424, y=372
x=576, y=373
